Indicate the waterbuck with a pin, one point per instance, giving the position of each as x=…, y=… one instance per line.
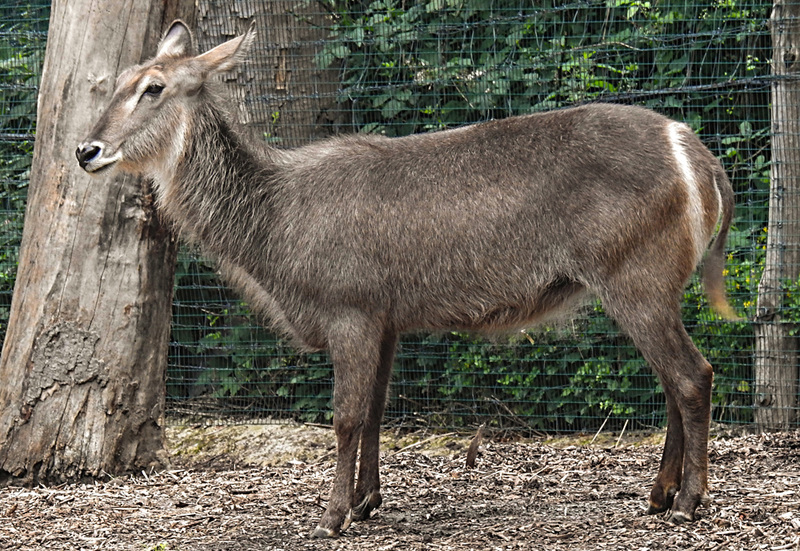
x=347, y=243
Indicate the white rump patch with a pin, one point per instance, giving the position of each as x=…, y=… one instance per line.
x=694, y=208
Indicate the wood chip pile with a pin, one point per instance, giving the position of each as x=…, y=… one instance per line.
x=518, y=496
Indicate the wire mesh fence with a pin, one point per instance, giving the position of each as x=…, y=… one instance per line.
x=23, y=31
x=395, y=68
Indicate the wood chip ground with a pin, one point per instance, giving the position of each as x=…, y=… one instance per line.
x=524, y=495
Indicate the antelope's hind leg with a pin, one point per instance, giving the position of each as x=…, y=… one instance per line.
x=654, y=323
x=670, y=471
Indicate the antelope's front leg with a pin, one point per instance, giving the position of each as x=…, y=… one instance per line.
x=368, y=494
x=355, y=351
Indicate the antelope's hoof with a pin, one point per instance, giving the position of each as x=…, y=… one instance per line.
x=661, y=500
x=324, y=533
x=685, y=508
x=370, y=502
x=679, y=517
x=655, y=509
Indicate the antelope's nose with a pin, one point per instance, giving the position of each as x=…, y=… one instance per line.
x=86, y=152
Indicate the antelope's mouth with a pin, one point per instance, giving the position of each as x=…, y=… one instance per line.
x=93, y=157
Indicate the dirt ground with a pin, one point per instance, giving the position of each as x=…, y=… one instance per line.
x=265, y=487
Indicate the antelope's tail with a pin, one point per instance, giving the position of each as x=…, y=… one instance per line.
x=714, y=264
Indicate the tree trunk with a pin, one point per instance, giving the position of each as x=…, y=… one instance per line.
x=280, y=91
x=84, y=358
x=776, y=369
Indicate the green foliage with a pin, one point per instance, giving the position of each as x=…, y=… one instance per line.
x=429, y=65
x=415, y=67
x=220, y=350
x=22, y=41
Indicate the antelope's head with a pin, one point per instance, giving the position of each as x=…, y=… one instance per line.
x=146, y=122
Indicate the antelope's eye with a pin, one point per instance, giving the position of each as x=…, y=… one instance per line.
x=154, y=89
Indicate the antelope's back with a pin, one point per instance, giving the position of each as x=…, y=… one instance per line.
x=447, y=225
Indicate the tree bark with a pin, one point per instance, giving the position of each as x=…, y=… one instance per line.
x=280, y=91
x=84, y=358
x=776, y=370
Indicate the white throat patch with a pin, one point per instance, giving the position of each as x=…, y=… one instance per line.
x=164, y=170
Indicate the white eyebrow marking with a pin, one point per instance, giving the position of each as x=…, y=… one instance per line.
x=141, y=86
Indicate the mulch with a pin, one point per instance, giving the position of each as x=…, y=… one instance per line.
x=519, y=495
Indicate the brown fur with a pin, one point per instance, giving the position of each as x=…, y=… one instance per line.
x=346, y=243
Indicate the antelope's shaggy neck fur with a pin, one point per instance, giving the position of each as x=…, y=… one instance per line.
x=217, y=178
x=220, y=175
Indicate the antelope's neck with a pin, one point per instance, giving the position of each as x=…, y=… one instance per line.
x=218, y=190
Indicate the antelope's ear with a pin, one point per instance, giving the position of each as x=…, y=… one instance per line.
x=230, y=54
x=177, y=41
